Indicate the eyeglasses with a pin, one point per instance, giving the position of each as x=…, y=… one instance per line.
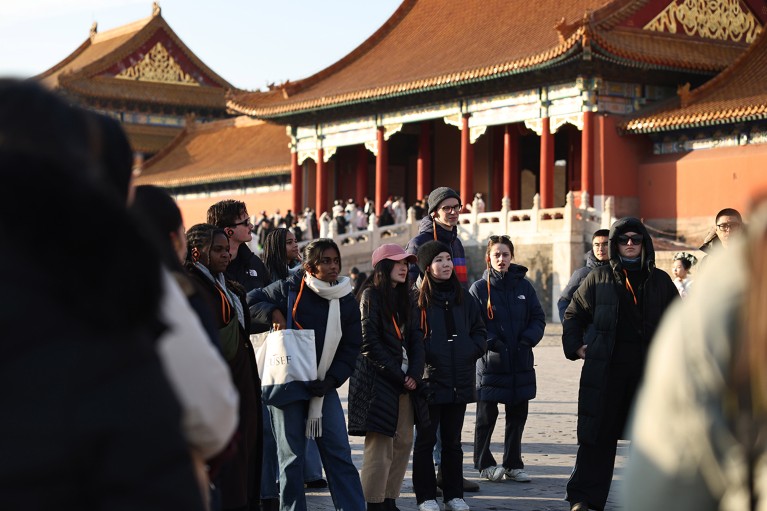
x=601, y=245
x=624, y=240
x=452, y=209
x=496, y=239
x=729, y=226
x=244, y=222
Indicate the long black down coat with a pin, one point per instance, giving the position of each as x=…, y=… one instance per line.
x=506, y=373
x=597, y=302
x=378, y=379
x=449, y=375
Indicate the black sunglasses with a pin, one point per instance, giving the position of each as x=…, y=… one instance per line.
x=244, y=222
x=624, y=240
x=496, y=239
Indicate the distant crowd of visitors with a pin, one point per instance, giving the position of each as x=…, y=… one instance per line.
x=140, y=388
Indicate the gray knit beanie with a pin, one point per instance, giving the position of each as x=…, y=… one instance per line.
x=440, y=194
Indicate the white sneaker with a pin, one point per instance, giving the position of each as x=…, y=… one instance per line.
x=429, y=505
x=494, y=473
x=518, y=474
x=456, y=504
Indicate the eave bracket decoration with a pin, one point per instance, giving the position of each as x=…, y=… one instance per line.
x=712, y=19
x=158, y=66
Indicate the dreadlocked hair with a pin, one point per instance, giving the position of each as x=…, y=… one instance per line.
x=428, y=286
x=276, y=253
x=396, y=299
x=200, y=236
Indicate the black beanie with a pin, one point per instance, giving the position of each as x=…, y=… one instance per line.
x=428, y=251
x=440, y=194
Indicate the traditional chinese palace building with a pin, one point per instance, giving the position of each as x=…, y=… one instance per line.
x=514, y=99
x=143, y=75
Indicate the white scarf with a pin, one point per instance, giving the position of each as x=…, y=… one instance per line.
x=333, y=333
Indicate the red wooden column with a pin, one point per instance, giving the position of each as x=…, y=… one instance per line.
x=511, y=165
x=322, y=183
x=382, y=172
x=362, y=174
x=547, y=165
x=587, y=156
x=297, y=183
x=467, y=162
x=423, y=180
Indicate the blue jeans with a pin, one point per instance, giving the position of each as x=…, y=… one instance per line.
x=270, y=479
x=289, y=426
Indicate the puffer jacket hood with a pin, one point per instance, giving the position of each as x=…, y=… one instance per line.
x=592, y=261
x=631, y=224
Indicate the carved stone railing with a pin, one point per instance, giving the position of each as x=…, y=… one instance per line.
x=561, y=234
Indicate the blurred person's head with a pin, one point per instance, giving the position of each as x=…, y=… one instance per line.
x=58, y=153
x=161, y=213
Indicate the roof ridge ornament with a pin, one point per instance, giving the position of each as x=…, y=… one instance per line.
x=683, y=91
x=156, y=10
x=94, y=29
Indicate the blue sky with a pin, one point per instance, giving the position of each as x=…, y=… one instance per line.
x=248, y=43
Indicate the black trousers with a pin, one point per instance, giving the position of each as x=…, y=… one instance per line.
x=449, y=417
x=594, y=464
x=487, y=416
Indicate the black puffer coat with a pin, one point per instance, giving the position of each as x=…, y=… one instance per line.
x=378, y=379
x=506, y=373
x=449, y=375
x=597, y=302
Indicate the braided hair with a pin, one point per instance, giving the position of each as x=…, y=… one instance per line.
x=276, y=254
x=200, y=236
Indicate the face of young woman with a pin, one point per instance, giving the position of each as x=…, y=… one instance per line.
x=678, y=269
x=399, y=272
x=441, y=267
x=500, y=257
x=328, y=267
x=218, y=255
x=291, y=247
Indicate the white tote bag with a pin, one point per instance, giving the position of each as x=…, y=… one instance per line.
x=286, y=360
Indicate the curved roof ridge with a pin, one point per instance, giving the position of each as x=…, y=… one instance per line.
x=742, y=61
x=135, y=26
x=159, y=155
x=613, y=13
x=65, y=61
x=291, y=88
x=454, y=78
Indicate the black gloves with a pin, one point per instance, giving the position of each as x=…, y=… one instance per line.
x=321, y=387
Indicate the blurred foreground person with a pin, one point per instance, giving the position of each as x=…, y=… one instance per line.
x=701, y=417
x=89, y=418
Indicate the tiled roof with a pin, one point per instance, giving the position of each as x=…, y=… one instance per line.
x=84, y=71
x=737, y=94
x=150, y=139
x=433, y=44
x=218, y=151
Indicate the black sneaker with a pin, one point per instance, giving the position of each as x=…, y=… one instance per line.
x=317, y=484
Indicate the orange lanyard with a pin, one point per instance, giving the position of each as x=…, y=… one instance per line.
x=490, y=314
x=396, y=328
x=295, y=305
x=424, y=323
x=226, y=309
x=628, y=286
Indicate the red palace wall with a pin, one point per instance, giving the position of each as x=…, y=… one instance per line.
x=195, y=211
x=702, y=182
